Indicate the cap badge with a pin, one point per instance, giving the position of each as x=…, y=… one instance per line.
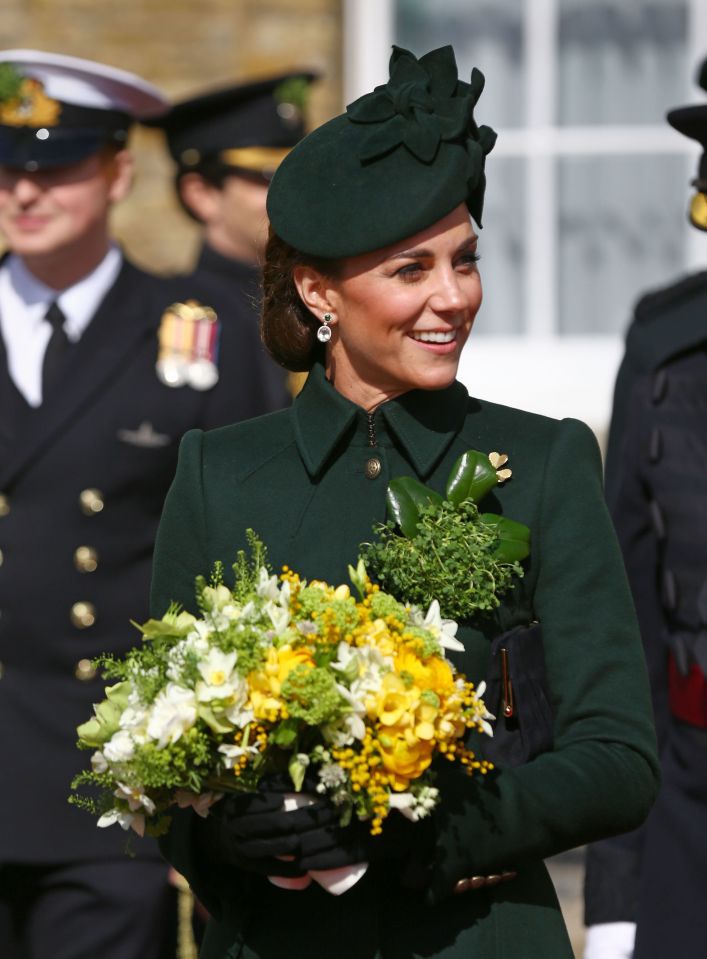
x=188, y=346
x=291, y=97
x=23, y=101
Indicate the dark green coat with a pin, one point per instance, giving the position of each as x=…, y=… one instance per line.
x=298, y=479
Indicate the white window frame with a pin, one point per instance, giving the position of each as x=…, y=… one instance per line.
x=559, y=375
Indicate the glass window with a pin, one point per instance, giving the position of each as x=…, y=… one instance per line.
x=487, y=34
x=620, y=61
x=621, y=233
x=502, y=249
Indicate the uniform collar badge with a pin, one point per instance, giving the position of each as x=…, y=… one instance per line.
x=188, y=340
x=23, y=101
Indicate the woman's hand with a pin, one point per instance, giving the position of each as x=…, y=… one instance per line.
x=253, y=832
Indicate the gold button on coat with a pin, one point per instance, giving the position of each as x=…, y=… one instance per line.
x=84, y=670
x=83, y=615
x=91, y=501
x=372, y=468
x=4, y=505
x=85, y=559
x=2, y=558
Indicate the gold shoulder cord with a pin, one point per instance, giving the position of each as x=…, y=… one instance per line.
x=186, y=945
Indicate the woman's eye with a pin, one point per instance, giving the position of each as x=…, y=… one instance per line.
x=410, y=272
x=469, y=259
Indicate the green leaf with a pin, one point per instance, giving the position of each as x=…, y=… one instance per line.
x=405, y=496
x=514, y=537
x=286, y=734
x=472, y=477
x=296, y=769
x=212, y=721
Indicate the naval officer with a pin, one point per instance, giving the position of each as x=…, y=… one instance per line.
x=101, y=372
x=226, y=144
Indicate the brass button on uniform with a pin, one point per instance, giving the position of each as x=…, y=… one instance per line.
x=4, y=505
x=85, y=559
x=85, y=670
x=83, y=615
x=2, y=558
x=372, y=468
x=91, y=501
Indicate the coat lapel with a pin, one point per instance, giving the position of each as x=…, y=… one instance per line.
x=122, y=322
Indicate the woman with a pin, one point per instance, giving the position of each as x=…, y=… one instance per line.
x=371, y=282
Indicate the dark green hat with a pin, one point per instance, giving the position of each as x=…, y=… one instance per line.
x=399, y=159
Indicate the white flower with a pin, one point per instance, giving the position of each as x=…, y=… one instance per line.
x=98, y=762
x=126, y=820
x=417, y=805
x=445, y=630
x=331, y=776
x=172, y=714
x=232, y=753
x=135, y=798
x=279, y=616
x=216, y=671
x=120, y=747
x=199, y=803
x=267, y=586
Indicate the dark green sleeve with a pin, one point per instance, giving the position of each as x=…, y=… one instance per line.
x=180, y=547
x=602, y=775
x=180, y=556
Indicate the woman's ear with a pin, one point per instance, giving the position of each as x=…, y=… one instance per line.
x=314, y=290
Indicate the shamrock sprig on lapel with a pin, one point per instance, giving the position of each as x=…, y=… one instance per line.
x=443, y=546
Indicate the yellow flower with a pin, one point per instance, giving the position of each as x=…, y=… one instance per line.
x=404, y=756
x=434, y=673
x=265, y=684
x=394, y=703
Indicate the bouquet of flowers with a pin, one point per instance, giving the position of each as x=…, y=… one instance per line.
x=278, y=673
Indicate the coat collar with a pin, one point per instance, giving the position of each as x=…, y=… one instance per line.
x=422, y=423
x=212, y=262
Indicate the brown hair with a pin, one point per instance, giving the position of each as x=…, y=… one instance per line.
x=287, y=328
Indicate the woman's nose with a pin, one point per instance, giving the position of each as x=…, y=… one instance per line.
x=448, y=296
x=26, y=190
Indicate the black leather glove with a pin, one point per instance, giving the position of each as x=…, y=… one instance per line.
x=252, y=831
x=409, y=844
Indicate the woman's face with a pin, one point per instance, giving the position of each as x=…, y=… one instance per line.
x=401, y=315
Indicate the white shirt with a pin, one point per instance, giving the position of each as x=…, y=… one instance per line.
x=610, y=940
x=24, y=301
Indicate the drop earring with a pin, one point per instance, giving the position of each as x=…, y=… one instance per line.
x=324, y=331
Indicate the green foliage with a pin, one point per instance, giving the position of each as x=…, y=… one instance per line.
x=311, y=695
x=451, y=557
x=246, y=570
x=10, y=82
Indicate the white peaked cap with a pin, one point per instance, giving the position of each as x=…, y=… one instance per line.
x=85, y=83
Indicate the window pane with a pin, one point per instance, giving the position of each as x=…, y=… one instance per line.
x=502, y=249
x=621, y=61
x=622, y=232
x=487, y=34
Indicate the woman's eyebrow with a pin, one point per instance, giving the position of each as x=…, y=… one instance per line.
x=422, y=253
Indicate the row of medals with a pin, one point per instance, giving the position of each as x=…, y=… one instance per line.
x=188, y=346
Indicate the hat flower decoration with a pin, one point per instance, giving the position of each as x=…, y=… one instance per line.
x=422, y=104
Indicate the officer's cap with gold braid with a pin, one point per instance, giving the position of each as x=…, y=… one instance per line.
x=247, y=127
x=399, y=159
x=56, y=109
x=691, y=121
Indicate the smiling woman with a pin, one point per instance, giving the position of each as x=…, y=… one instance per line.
x=371, y=284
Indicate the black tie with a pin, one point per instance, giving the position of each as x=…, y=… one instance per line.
x=56, y=349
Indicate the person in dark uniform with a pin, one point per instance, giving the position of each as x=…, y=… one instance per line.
x=371, y=284
x=101, y=372
x=226, y=145
x=645, y=892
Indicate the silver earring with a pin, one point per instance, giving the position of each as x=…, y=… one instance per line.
x=324, y=331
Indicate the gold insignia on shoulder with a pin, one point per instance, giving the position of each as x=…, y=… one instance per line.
x=188, y=340
x=498, y=460
x=27, y=104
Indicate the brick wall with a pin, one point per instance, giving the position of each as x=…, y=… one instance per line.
x=183, y=46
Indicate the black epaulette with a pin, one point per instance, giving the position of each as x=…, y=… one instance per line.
x=654, y=303
x=668, y=321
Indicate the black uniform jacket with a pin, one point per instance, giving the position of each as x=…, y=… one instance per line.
x=233, y=289
x=656, y=487
x=303, y=480
x=82, y=483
